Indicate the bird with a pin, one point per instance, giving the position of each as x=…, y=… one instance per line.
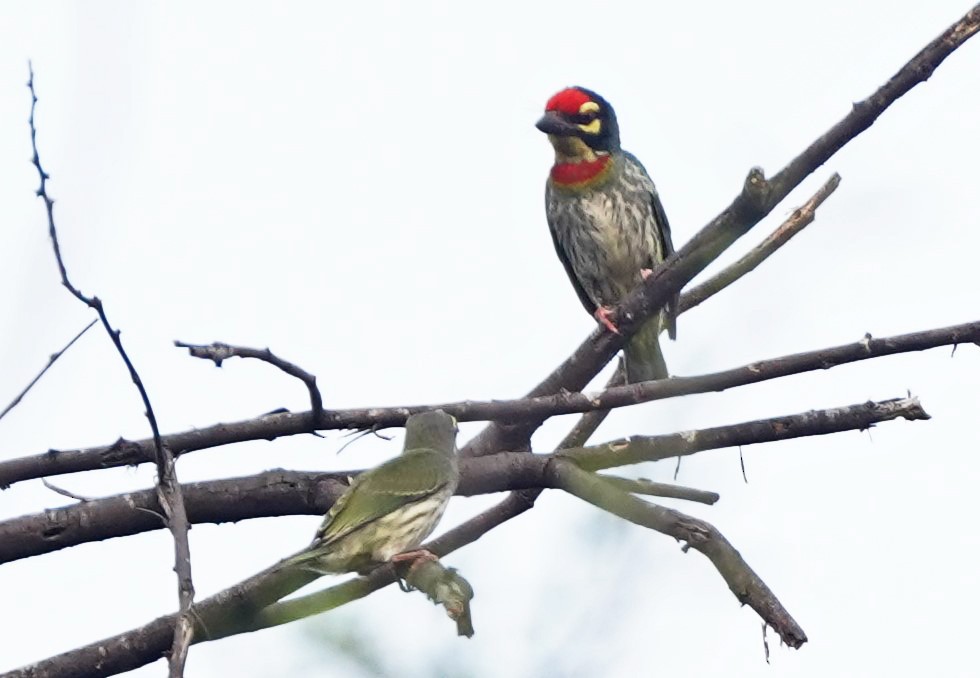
x=388, y=510
x=606, y=220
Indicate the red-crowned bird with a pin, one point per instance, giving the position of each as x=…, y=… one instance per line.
x=606, y=220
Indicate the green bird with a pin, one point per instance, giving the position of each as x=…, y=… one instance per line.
x=387, y=511
x=608, y=225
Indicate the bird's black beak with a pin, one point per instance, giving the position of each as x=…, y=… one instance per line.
x=552, y=122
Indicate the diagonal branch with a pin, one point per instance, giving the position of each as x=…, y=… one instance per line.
x=124, y=452
x=801, y=217
x=747, y=586
x=51, y=360
x=171, y=501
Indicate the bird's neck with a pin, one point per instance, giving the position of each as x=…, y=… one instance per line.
x=580, y=172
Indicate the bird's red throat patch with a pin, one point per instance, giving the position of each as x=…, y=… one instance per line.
x=580, y=174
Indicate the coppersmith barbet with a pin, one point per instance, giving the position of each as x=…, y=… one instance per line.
x=606, y=220
x=387, y=511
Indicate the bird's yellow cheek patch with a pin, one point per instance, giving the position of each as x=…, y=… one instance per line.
x=571, y=149
x=592, y=128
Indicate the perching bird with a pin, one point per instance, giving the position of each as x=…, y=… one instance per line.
x=606, y=220
x=387, y=511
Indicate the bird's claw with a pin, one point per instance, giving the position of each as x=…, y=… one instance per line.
x=404, y=562
x=603, y=315
x=646, y=273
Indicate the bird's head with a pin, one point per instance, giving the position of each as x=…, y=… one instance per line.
x=579, y=124
x=433, y=430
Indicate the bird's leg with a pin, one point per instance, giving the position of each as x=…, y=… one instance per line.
x=405, y=561
x=413, y=556
x=646, y=273
x=602, y=314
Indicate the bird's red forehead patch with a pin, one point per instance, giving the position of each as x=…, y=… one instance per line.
x=568, y=101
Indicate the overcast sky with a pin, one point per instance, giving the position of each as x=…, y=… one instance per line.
x=359, y=186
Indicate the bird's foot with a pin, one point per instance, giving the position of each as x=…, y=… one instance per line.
x=413, y=556
x=646, y=273
x=602, y=314
x=404, y=562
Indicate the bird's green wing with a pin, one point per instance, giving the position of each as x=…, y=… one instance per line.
x=381, y=490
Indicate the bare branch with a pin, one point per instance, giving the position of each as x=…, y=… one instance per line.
x=637, y=449
x=655, y=489
x=747, y=586
x=168, y=488
x=442, y=585
x=238, y=609
x=800, y=218
x=268, y=427
x=217, y=352
x=63, y=492
x=51, y=360
x=297, y=492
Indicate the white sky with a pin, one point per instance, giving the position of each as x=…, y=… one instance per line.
x=360, y=187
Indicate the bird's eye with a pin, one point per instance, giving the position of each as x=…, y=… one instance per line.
x=583, y=118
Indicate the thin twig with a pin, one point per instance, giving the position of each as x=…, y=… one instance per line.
x=63, y=492
x=655, y=489
x=51, y=360
x=218, y=352
x=168, y=488
x=801, y=217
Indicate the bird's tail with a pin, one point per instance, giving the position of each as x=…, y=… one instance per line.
x=644, y=360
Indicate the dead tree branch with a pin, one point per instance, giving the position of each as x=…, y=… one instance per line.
x=171, y=501
x=51, y=360
x=268, y=427
x=801, y=217
x=218, y=352
x=747, y=586
x=303, y=492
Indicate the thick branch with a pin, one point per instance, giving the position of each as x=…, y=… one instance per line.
x=294, y=492
x=124, y=452
x=747, y=586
